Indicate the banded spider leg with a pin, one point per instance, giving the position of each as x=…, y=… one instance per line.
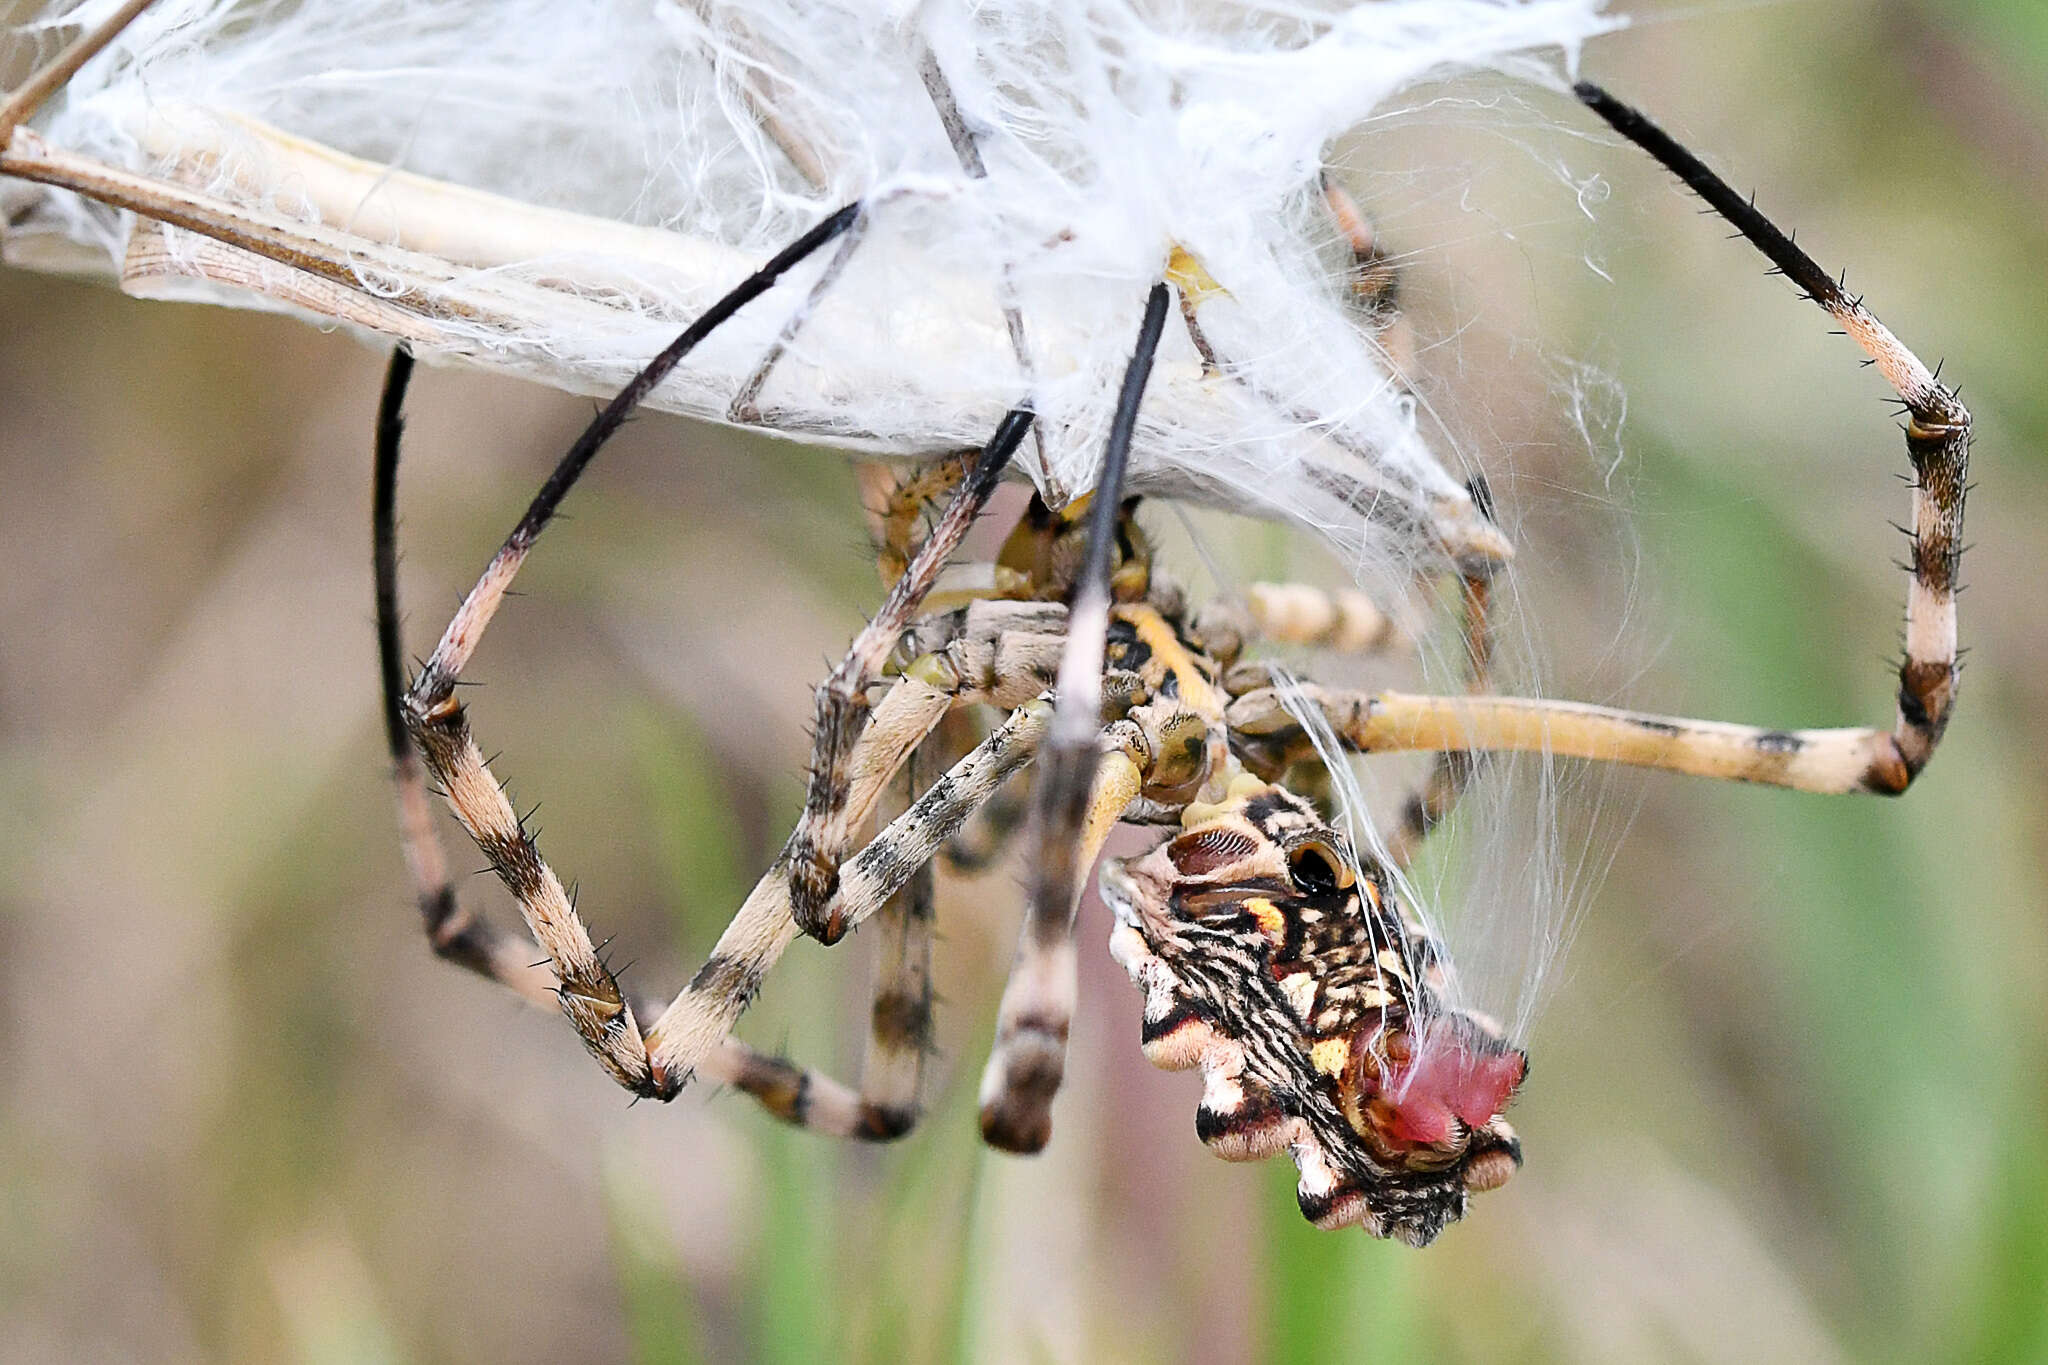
x=1079, y=796
x=883, y=1108
x=1836, y=761
x=857, y=752
x=1074, y=804
x=427, y=716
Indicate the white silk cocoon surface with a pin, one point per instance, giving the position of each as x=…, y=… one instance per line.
x=553, y=187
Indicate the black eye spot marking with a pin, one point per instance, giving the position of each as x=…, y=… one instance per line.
x=1317, y=870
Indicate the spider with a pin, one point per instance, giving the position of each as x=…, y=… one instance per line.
x=1272, y=955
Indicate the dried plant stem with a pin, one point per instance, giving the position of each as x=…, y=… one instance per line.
x=430, y=276
x=23, y=103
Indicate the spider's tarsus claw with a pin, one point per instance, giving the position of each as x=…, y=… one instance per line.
x=660, y=1085
x=1020, y=1133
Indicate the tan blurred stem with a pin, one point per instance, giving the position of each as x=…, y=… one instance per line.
x=23, y=103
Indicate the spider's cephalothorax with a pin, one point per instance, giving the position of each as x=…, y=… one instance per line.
x=1279, y=965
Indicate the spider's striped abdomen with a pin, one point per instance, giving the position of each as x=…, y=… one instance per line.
x=1284, y=971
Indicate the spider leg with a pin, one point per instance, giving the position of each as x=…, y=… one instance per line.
x=436, y=681
x=459, y=934
x=967, y=149
x=1447, y=780
x=1834, y=760
x=1375, y=281
x=900, y=1015
x=1296, y=613
x=987, y=835
x=1028, y=1061
x=587, y=992
x=455, y=931
x=893, y=500
x=884, y=1107
x=702, y=1015
x=1829, y=761
x=1344, y=620
x=745, y=406
x=979, y=643
x=757, y=89
x=1937, y=442
x=991, y=652
x=1068, y=802
x=832, y=807
x=999, y=653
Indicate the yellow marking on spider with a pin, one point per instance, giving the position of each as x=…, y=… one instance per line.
x=1330, y=1056
x=1243, y=787
x=1157, y=636
x=1192, y=278
x=1271, y=922
x=1391, y=961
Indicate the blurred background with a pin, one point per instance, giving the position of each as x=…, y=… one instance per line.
x=1787, y=1097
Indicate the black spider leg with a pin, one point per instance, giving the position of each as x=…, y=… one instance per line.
x=1937, y=442
x=883, y=1108
x=455, y=932
x=586, y=989
x=1029, y=1056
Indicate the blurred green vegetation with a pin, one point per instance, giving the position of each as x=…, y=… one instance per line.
x=1788, y=1097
